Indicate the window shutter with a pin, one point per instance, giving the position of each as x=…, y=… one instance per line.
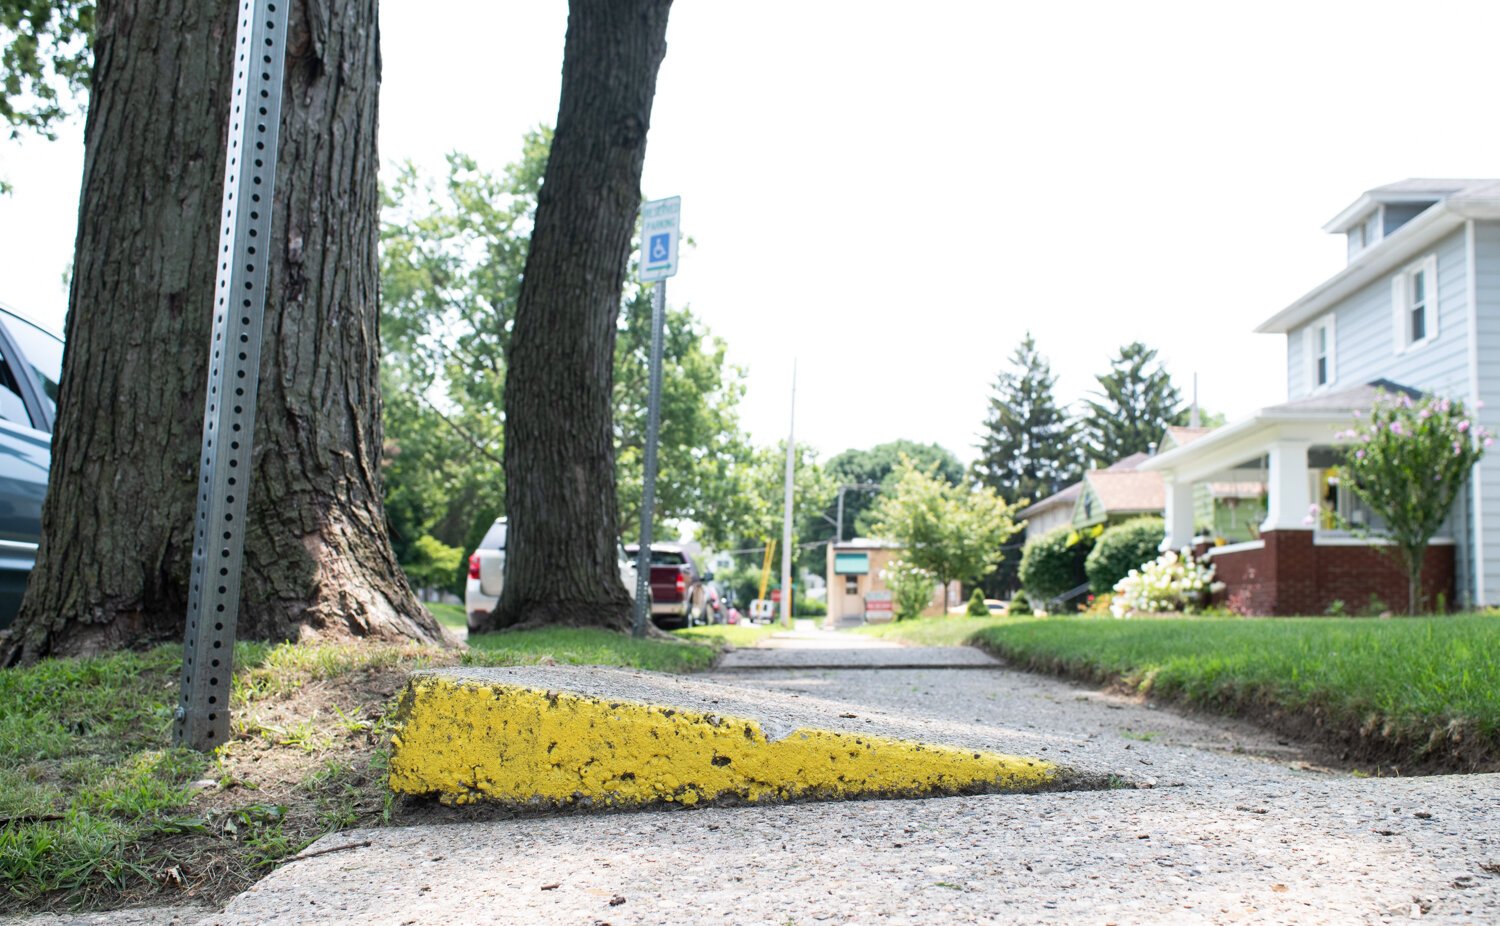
x=1429, y=266
x=1398, y=310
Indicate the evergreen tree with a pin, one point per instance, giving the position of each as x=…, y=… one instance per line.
x=1027, y=449
x=1131, y=411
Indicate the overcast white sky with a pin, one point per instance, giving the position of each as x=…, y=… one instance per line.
x=894, y=192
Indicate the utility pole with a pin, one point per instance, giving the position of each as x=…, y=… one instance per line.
x=786, y=519
x=863, y=486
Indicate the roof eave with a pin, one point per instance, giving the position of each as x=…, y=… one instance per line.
x=1228, y=433
x=1352, y=212
x=1375, y=261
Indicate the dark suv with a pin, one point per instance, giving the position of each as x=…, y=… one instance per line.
x=30, y=366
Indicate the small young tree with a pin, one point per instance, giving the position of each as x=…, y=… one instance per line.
x=1407, y=461
x=951, y=531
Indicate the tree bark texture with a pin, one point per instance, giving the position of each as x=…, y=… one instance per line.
x=561, y=565
x=117, y=542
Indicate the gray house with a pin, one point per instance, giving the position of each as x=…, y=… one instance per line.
x=1417, y=307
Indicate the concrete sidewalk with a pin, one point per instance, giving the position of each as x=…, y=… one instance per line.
x=1227, y=825
x=807, y=647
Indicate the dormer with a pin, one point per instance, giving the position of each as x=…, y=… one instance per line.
x=1377, y=214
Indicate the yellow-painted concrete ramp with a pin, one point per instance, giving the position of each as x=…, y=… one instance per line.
x=560, y=736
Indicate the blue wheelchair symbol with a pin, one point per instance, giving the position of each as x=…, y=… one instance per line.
x=660, y=250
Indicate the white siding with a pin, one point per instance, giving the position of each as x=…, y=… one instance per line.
x=1365, y=336
x=1366, y=350
x=1487, y=286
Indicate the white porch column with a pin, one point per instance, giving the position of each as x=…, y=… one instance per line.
x=1179, y=513
x=1287, y=496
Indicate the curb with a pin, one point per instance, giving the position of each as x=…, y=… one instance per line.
x=469, y=735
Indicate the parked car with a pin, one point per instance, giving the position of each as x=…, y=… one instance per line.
x=487, y=573
x=30, y=368
x=679, y=594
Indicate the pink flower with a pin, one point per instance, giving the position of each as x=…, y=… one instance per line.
x=1359, y=454
x=1489, y=441
x=1463, y=426
x=1396, y=428
x=1457, y=448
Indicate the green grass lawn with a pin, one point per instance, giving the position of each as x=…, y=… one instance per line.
x=1405, y=689
x=731, y=634
x=584, y=646
x=450, y=615
x=931, y=631
x=96, y=809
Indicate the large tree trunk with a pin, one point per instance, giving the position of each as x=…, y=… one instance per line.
x=118, y=522
x=559, y=444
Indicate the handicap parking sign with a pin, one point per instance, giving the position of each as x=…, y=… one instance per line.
x=659, y=235
x=661, y=249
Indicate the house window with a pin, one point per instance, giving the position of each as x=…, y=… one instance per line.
x=1321, y=345
x=1342, y=509
x=1414, y=298
x=851, y=585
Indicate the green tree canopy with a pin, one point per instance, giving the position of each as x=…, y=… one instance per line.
x=1028, y=447
x=877, y=466
x=952, y=531
x=1135, y=403
x=45, y=57
x=452, y=258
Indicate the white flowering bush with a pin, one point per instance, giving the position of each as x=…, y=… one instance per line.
x=911, y=588
x=1172, y=582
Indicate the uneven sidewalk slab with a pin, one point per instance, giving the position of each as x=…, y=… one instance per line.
x=1314, y=850
x=861, y=657
x=585, y=736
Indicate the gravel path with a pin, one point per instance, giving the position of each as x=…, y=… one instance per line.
x=1232, y=827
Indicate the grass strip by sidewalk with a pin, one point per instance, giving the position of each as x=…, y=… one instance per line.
x=1422, y=694
x=97, y=811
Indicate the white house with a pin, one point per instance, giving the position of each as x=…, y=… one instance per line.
x=1416, y=308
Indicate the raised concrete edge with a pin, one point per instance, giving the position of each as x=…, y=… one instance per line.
x=580, y=736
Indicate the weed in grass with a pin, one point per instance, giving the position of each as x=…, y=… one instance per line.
x=353, y=724
x=1142, y=737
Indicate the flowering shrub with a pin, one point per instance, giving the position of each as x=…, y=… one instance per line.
x=1172, y=582
x=1407, y=461
x=911, y=588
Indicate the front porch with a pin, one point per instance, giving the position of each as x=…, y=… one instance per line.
x=1300, y=558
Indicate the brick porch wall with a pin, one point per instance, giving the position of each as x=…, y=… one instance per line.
x=1292, y=575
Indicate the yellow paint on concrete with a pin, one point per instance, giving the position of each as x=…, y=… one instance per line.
x=465, y=740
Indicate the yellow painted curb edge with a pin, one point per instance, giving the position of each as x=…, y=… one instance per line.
x=466, y=740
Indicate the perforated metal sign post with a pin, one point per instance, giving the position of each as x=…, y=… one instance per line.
x=659, y=234
x=233, y=373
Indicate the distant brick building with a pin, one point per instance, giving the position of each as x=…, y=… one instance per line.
x=857, y=592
